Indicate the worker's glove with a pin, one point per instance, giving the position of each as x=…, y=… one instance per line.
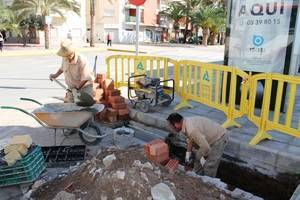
x=202, y=161
x=187, y=156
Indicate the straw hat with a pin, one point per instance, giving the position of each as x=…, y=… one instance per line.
x=66, y=48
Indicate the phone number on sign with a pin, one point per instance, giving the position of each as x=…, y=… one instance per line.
x=251, y=22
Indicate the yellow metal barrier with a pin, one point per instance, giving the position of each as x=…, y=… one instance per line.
x=121, y=67
x=265, y=119
x=215, y=86
x=208, y=84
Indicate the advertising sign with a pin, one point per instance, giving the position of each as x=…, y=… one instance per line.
x=259, y=33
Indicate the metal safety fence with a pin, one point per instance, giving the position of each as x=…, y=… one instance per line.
x=278, y=119
x=225, y=88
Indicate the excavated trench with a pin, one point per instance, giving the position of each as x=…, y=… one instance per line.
x=237, y=176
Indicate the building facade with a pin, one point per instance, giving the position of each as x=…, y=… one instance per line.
x=118, y=18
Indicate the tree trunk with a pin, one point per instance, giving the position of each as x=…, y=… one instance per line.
x=186, y=28
x=214, y=39
x=205, y=33
x=46, y=31
x=92, y=32
x=222, y=40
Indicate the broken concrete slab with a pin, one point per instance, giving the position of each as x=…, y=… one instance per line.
x=162, y=192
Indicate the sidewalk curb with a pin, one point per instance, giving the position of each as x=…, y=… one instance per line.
x=124, y=50
x=40, y=52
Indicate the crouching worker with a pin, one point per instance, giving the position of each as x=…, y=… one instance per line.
x=207, y=135
x=77, y=74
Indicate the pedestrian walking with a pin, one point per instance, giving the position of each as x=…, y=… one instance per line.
x=1, y=42
x=108, y=38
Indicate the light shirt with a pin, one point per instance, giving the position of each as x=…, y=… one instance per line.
x=76, y=71
x=202, y=131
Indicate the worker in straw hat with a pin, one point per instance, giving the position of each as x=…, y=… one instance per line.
x=75, y=69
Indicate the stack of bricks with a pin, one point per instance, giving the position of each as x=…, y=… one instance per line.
x=116, y=108
x=157, y=151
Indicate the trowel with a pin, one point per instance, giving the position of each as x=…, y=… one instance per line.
x=80, y=98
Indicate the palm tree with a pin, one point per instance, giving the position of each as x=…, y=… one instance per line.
x=204, y=17
x=174, y=12
x=188, y=7
x=218, y=24
x=45, y=8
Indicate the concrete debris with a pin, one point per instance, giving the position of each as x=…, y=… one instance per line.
x=148, y=165
x=37, y=184
x=103, y=197
x=64, y=196
x=144, y=176
x=240, y=194
x=162, y=192
x=120, y=175
x=27, y=195
x=138, y=163
x=107, y=161
x=296, y=195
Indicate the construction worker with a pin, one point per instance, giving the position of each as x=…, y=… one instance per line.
x=75, y=69
x=207, y=135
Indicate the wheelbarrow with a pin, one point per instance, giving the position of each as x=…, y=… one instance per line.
x=67, y=117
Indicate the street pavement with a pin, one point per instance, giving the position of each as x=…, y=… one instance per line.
x=27, y=76
x=24, y=72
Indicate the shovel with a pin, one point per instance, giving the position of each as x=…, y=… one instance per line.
x=80, y=98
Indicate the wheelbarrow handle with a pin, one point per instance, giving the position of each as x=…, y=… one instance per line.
x=27, y=113
x=32, y=100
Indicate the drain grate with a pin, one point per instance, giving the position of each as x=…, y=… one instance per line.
x=57, y=154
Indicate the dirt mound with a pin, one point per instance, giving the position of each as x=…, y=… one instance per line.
x=129, y=176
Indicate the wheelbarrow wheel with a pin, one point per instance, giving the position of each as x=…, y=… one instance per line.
x=167, y=100
x=144, y=106
x=93, y=130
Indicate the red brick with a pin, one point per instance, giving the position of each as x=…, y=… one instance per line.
x=112, y=115
x=108, y=84
x=172, y=165
x=123, y=117
x=149, y=144
x=119, y=106
x=112, y=119
x=123, y=111
x=160, y=159
x=159, y=148
x=115, y=99
x=102, y=116
x=112, y=111
x=114, y=92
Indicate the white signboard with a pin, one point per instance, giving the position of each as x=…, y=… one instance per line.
x=259, y=34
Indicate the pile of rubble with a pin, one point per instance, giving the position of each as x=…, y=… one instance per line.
x=127, y=174
x=105, y=93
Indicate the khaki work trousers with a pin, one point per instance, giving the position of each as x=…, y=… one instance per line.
x=211, y=165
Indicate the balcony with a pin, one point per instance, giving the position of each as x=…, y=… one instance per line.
x=131, y=20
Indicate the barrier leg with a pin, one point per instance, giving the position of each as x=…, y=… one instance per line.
x=183, y=103
x=260, y=135
x=230, y=123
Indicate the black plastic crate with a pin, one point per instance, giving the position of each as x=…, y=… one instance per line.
x=56, y=154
